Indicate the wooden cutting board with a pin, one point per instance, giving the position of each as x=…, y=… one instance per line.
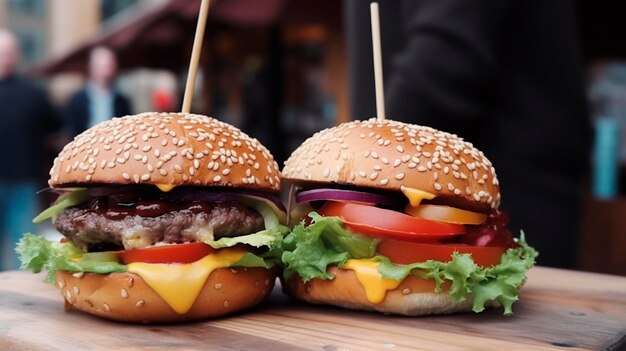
x=559, y=310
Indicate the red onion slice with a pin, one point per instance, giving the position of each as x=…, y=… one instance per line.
x=325, y=194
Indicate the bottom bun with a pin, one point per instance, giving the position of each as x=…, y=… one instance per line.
x=413, y=297
x=126, y=296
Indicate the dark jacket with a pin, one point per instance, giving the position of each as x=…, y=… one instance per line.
x=507, y=76
x=27, y=119
x=76, y=112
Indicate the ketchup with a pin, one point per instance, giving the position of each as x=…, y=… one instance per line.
x=493, y=232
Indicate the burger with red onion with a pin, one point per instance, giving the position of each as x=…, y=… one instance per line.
x=401, y=219
x=166, y=217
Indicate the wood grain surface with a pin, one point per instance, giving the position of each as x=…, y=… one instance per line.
x=559, y=310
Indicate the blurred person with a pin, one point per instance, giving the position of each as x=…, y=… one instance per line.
x=27, y=120
x=98, y=101
x=505, y=75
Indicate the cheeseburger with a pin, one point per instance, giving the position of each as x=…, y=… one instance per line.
x=400, y=219
x=166, y=217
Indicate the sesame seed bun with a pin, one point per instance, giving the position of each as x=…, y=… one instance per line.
x=413, y=297
x=126, y=297
x=165, y=148
x=388, y=155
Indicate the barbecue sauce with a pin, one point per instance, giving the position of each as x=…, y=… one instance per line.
x=145, y=208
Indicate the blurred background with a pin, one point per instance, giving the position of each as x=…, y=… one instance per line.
x=540, y=87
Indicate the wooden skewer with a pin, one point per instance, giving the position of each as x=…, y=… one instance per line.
x=378, y=62
x=195, y=56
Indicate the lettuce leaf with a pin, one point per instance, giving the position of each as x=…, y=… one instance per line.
x=69, y=199
x=36, y=253
x=270, y=237
x=309, y=250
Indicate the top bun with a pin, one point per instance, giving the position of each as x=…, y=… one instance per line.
x=165, y=148
x=388, y=155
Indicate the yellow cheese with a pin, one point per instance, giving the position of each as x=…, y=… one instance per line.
x=416, y=196
x=165, y=187
x=179, y=284
x=375, y=285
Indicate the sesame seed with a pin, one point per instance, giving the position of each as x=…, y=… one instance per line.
x=217, y=178
x=384, y=181
x=437, y=186
x=140, y=303
x=406, y=291
x=126, y=176
x=373, y=175
x=400, y=176
x=124, y=293
x=106, y=307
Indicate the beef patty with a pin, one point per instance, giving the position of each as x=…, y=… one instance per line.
x=93, y=230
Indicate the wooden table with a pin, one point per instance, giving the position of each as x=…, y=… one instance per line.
x=559, y=310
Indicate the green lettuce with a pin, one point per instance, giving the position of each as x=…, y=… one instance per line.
x=36, y=253
x=69, y=199
x=309, y=250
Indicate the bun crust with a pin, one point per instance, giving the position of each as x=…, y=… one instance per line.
x=126, y=296
x=413, y=297
x=388, y=155
x=165, y=148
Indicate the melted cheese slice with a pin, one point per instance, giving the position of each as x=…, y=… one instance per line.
x=165, y=187
x=416, y=196
x=375, y=285
x=179, y=284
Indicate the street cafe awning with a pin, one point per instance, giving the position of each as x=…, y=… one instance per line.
x=153, y=38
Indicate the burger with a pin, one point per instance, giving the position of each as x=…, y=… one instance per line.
x=400, y=219
x=166, y=217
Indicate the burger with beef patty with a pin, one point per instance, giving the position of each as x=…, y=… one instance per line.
x=402, y=219
x=166, y=217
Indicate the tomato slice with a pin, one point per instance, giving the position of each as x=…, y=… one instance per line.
x=446, y=214
x=384, y=223
x=404, y=252
x=177, y=253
